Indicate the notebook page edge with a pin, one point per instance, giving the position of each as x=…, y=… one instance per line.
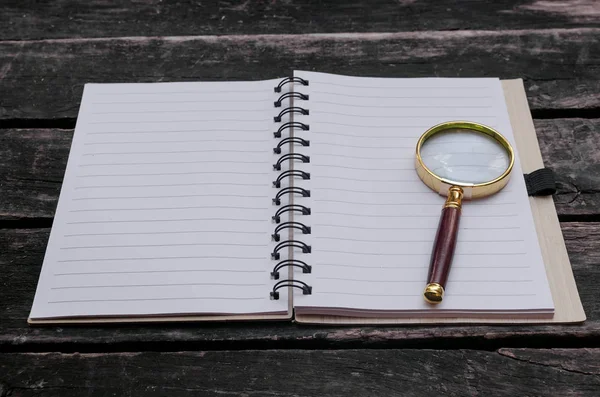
x=44, y=276
x=568, y=306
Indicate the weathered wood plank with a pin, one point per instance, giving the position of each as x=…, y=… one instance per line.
x=571, y=147
x=32, y=164
x=44, y=79
x=58, y=19
x=508, y=372
x=22, y=256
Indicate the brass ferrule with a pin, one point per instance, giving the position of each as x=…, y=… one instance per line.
x=455, y=195
x=434, y=293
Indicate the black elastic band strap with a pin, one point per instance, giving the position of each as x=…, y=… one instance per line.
x=540, y=182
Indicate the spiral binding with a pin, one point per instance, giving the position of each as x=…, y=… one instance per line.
x=290, y=190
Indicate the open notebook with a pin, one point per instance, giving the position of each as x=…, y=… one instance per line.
x=181, y=200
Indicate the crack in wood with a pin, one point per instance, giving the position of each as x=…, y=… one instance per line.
x=307, y=37
x=511, y=355
x=68, y=123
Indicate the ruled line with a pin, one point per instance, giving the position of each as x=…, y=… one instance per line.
x=180, y=121
x=187, y=101
x=165, y=245
x=403, y=204
x=228, y=232
x=319, y=133
x=360, y=157
x=173, y=162
x=174, y=184
x=421, y=280
x=321, y=112
x=176, y=152
x=424, y=254
x=412, y=227
x=160, y=271
x=172, y=208
x=400, y=295
x=373, y=228
x=362, y=168
x=362, y=146
x=202, y=92
x=158, y=285
x=393, y=97
x=167, y=220
x=362, y=179
x=184, y=141
x=400, y=87
x=395, y=128
x=170, y=196
x=197, y=130
x=154, y=299
x=183, y=111
x=428, y=107
x=380, y=215
x=154, y=258
x=414, y=241
x=424, y=266
x=372, y=191
x=177, y=173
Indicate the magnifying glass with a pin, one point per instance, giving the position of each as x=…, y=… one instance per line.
x=459, y=160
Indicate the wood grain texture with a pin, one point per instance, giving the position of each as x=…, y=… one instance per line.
x=32, y=164
x=21, y=261
x=58, y=19
x=44, y=79
x=571, y=147
x=299, y=373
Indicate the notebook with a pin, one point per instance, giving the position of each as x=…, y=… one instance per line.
x=292, y=199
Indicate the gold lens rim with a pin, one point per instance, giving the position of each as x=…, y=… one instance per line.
x=472, y=190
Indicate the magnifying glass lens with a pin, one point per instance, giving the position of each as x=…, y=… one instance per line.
x=465, y=156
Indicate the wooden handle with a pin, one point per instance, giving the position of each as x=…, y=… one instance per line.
x=443, y=247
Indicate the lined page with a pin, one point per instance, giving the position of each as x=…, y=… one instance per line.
x=374, y=221
x=166, y=204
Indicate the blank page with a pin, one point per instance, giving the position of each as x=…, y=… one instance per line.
x=374, y=221
x=166, y=204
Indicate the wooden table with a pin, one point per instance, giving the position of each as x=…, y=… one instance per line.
x=48, y=51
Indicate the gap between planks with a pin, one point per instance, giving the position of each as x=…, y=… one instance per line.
x=68, y=123
x=367, y=36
